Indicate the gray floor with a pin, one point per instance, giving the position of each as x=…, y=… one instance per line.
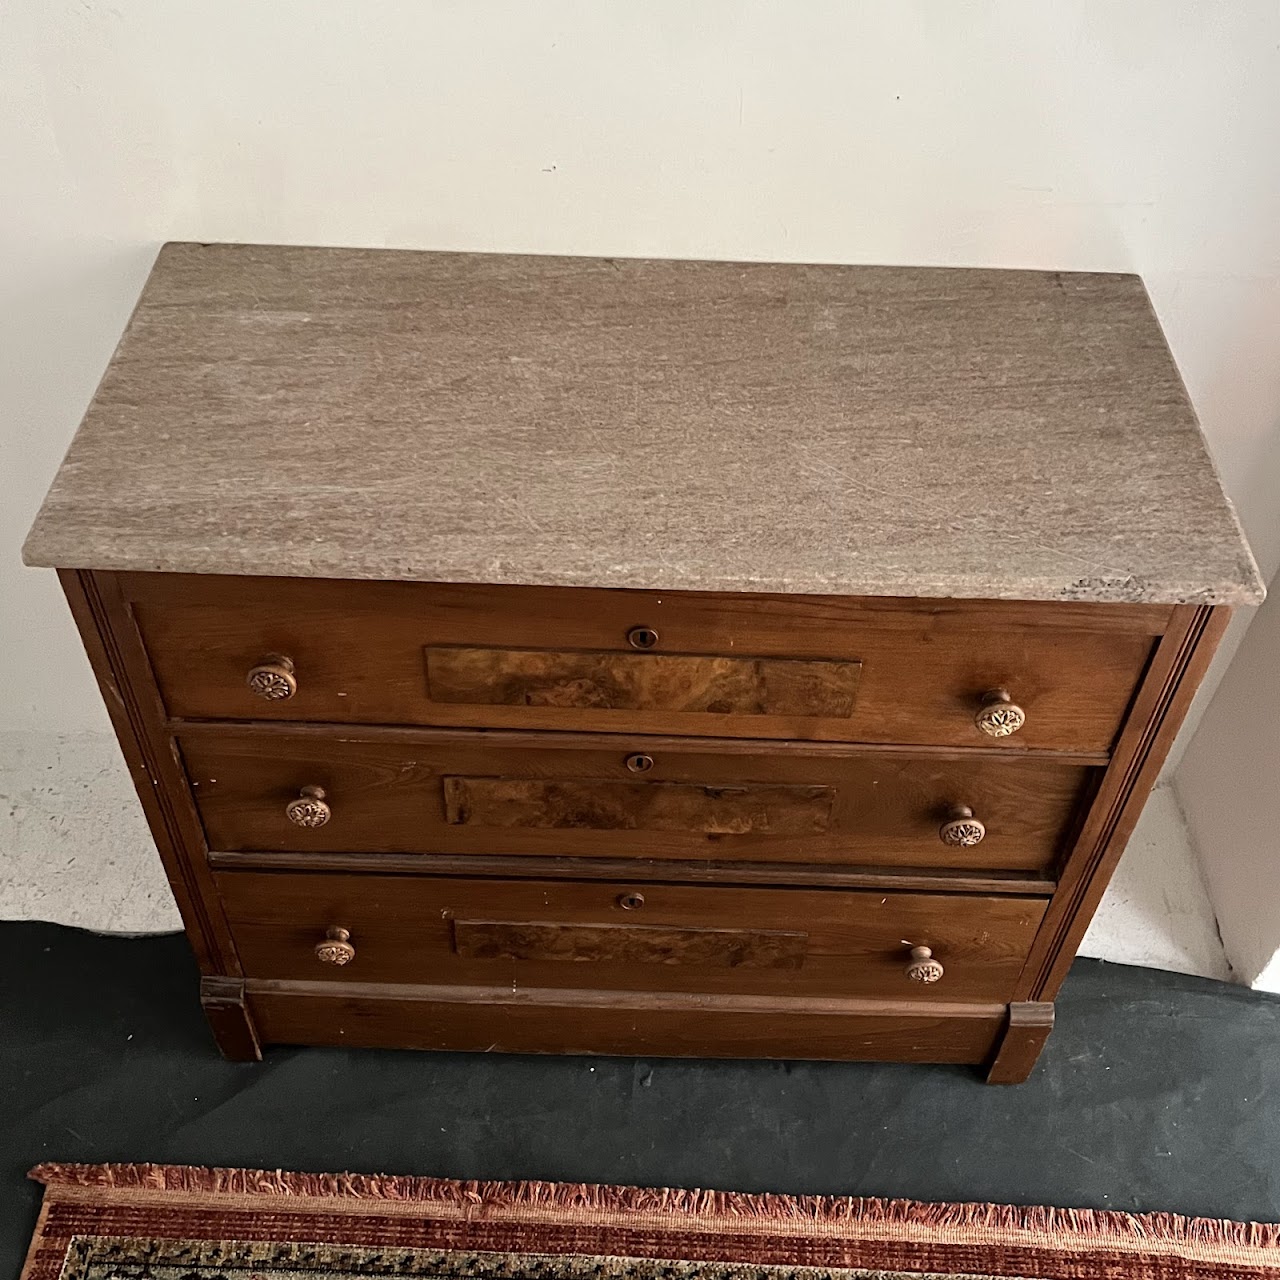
x=1156, y=1092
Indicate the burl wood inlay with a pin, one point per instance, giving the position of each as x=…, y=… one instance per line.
x=640, y=944
x=641, y=682
x=605, y=805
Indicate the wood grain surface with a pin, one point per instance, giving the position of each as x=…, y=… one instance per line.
x=608, y=804
x=402, y=927
x=641, y=682
x=1030, y=1023
x=357, y=650
x=1176, y=670
x=638, y=944
x=776, y=875
x=653, y=1024
x=393, y=797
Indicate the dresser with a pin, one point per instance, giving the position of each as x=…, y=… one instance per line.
x=582, y=655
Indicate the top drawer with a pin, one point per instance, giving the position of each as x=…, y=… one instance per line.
x=808, y=667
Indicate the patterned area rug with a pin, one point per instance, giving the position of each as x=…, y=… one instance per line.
x=164, y=1222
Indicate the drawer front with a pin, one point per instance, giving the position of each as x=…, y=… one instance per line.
x=658, y=937
x=463, y=793
x=639, y=662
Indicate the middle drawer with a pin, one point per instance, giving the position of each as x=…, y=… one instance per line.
x=468, y=792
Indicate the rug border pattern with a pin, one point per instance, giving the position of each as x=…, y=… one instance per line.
x=641, y=1222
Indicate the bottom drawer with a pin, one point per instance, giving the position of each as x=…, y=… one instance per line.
x=488, y=1019
x=543, y=934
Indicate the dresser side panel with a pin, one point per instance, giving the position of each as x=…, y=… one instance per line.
x=133, y=703
x=1177, y=668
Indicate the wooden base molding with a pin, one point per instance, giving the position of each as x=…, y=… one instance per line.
x=659, y=1024
x=227, y=1010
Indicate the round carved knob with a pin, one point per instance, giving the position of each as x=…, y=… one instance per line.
x=999, y=715
x=642, y=638
x=273, y=678
x=922, y=967
x=961, y=830
x=336, y=947
x=309, y=809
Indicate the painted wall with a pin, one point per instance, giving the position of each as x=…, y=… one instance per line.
x=1229, y=785
x=1075, y=135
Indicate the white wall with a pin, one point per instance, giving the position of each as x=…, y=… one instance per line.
x=1229, y=785
x=1099, y=136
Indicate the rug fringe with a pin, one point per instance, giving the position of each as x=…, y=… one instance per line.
x=1097, y=1224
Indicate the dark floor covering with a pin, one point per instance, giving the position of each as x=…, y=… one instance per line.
x=1155, y=1092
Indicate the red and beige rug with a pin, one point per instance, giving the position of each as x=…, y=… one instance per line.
x=167, y=1222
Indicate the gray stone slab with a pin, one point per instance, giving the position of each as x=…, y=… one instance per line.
x=652, y=424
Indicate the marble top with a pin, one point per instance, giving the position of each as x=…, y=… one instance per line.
x=717, y=426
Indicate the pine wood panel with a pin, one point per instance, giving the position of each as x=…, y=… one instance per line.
x=390, y=797
x=359, y=653
x=856, y=943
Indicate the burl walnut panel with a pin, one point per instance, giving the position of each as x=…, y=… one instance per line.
x=629, y=944
x=642, y=682
x=605, y=805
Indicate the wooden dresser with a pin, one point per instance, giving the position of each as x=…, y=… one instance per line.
x=614, y=656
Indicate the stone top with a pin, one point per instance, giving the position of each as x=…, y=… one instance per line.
x=609, y=422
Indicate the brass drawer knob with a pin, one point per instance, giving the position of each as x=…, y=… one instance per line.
x=309, y=809
x=999, y=715
x=961, y=829
x=337, y=947
x=922, y=967
x=273, y=678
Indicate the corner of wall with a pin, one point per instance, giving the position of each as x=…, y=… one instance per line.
x=1228, y=785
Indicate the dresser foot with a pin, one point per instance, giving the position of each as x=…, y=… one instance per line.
x=1028, y=1027
x=229, y=1018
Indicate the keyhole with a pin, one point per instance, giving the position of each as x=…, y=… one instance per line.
x=639, y=763
x=642, y=637
x=630, y=901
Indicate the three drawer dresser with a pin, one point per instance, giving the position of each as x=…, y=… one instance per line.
x=643, y=657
